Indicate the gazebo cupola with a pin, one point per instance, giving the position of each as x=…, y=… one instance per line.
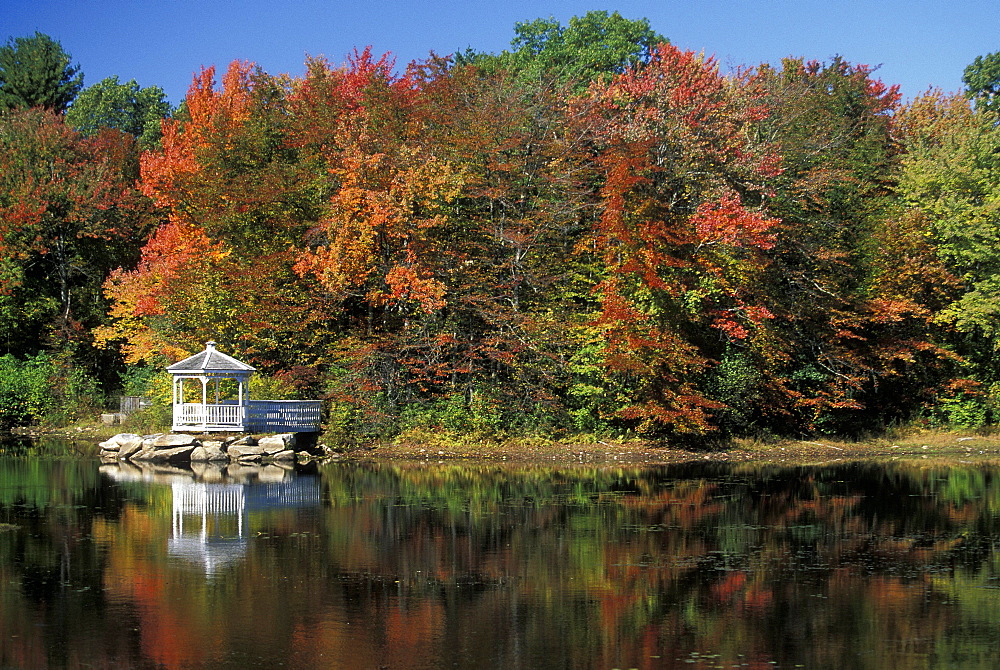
x=208, y=369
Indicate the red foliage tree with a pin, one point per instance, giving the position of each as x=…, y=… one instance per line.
x=682, y=229
x=68, y=215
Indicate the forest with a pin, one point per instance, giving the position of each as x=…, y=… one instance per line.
x=591, y=233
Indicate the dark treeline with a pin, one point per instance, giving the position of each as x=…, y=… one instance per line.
x=593, y=232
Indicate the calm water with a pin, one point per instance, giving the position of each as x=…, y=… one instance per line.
x=452, y=565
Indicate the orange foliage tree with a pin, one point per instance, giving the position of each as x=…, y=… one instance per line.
x=220, y=266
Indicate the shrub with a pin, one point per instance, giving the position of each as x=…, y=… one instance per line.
x=24, y=391
x=43, y=389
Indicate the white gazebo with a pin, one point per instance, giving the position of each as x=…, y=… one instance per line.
x=217, y=412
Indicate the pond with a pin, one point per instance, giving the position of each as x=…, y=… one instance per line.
x=890, y=564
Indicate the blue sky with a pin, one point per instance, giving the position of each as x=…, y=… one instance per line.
x=918, y=43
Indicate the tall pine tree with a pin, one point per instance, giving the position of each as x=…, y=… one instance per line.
x=36, y=72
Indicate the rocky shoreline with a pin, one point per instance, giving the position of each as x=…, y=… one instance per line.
x=184, y=448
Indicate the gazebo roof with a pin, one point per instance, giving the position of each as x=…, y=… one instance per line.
x=210, y=360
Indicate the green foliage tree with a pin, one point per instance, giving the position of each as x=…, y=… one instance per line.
x=36, y=72
x=44, y=388
x=594, y=46
x=951, y=174
x=982, y=81
x=950, y=177
x=125, y=107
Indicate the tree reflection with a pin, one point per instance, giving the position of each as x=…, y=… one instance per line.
x=864, y=565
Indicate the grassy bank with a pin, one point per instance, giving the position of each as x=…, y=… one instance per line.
x=432, y=446
x=901, y=444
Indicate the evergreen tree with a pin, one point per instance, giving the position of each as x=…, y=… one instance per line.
x=36, y=72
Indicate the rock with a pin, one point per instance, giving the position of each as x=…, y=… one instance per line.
x=286, y=455
x=113, y=443
x=172, y=441
x=247, y=441
x=245, y=451
x=129, y=448
x=128, y=444
x=172, y=454
x=147, y=440
x=275, y=443
x=215, y=453
x=272, y=445
x=208, y=451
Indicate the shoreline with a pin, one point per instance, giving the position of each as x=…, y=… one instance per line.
x=916, y=444
x=930, y=444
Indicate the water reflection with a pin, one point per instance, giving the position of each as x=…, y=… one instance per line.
x=850, y=565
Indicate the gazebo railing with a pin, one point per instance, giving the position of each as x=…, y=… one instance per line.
x=284, y=415
x=260, y=416
x=214, y=417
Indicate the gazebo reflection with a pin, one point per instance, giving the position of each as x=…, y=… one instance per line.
x=213, y=543
x=211, y=520
x=217, y=537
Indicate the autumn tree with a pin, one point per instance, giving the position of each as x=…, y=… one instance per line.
x=681, y=231
x=522, y=289
x=421, y=240
x=68, y=214
x=853, y=338
x=232, y=202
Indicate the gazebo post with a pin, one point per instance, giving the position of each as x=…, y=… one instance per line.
x=204, y=402
x=244, y=401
